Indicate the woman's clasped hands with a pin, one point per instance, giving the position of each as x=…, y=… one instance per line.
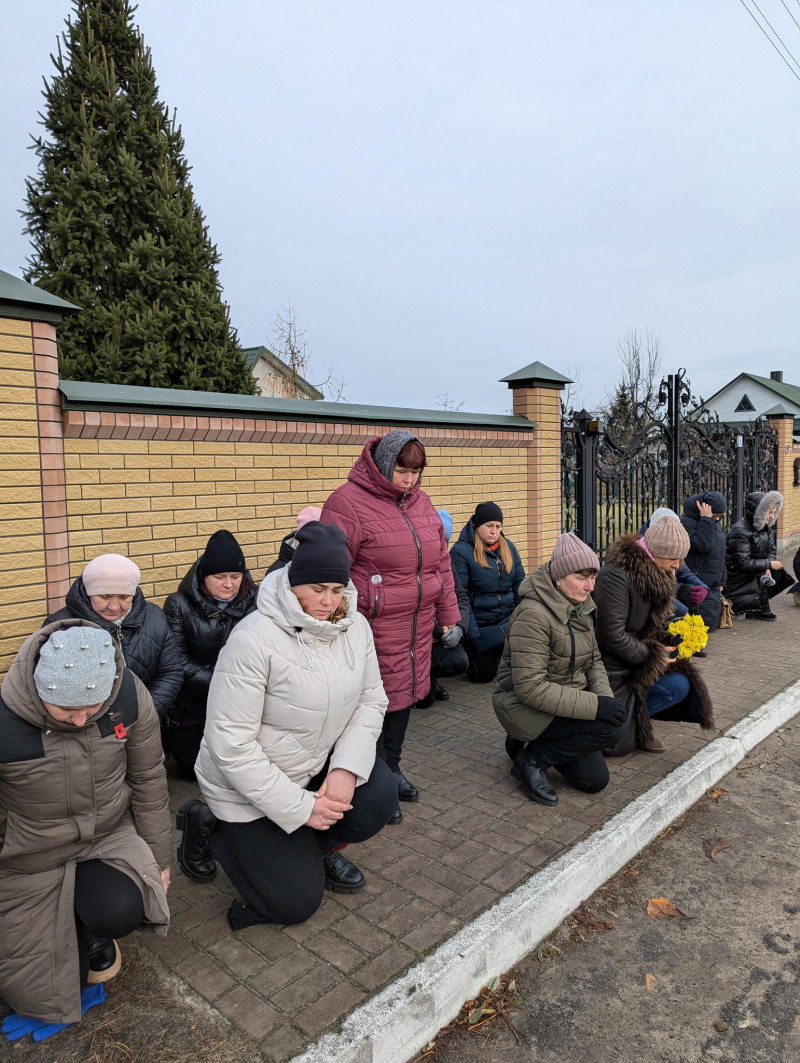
x=332, y=799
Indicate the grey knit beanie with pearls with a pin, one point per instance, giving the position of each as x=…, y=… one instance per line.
x=76, y=667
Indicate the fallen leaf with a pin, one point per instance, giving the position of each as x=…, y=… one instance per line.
x=493, y=984
x=661, y=908
x=597, y=926
x=648, y=981
x=712, y=846
x=743, y=1024
x=716, y=793
x=720, y=1026
x=631, y=872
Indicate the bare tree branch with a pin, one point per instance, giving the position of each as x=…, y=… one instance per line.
x=444, y=402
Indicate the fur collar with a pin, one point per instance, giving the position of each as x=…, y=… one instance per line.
x=649, y=581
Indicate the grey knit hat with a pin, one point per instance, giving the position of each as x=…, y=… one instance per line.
x=667, y=538
x=571, y=554
x=76, y=667
x=662, y=511
x=387, y=451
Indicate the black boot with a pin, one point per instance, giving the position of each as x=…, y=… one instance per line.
x=406, y=791
x=514, y=747
x=196, y=820
x=760, y=614
x=105, y=959
x=341, y=874
x=396, y=817
x=534, y=780
x=439, y=692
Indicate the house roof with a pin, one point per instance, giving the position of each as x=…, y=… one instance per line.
x=20, y=299
x=790, y=392
x=253, y=355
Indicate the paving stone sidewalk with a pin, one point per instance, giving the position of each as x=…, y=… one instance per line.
x=472, y=837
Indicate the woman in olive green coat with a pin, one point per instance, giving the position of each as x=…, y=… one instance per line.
x=552, y=694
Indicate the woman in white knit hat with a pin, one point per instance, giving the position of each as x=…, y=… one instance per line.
x=107, y=593
x=552, y=695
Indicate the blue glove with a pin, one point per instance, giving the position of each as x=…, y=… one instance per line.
x=16, y=1026
x=450, y=639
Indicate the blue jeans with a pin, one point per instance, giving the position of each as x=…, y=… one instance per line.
x=669, y=690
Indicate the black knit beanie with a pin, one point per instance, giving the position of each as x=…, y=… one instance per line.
x=321, y=555
x=222, y=554
x=485, y=512
x=716, y=500
x=387, y=451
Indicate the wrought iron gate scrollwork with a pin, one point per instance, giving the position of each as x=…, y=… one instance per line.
x=613, y=477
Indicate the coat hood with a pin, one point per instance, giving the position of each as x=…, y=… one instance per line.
x=715, y=499
x=277, y=600
x=19, y=688
x=467, y=534
x=758, y=504
x=539, y=586
x=365, y=473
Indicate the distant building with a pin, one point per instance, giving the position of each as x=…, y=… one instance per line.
x=276, y=379
x=750, y=396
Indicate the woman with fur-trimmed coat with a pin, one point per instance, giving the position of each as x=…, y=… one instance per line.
x=634, y=596
x=752, y=550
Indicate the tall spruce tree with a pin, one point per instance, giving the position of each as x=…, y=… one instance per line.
x=114, y=224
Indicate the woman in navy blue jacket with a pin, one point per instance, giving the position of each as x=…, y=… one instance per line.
x=490, y=570
x=706, y=558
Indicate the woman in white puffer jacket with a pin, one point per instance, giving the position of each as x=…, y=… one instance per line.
x=287, y=763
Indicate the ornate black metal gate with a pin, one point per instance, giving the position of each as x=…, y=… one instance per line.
x=613, y=477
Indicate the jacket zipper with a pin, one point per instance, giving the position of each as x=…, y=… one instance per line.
x=419, y=598
x=571, y=652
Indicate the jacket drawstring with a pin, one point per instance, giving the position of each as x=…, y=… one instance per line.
x=307, y=655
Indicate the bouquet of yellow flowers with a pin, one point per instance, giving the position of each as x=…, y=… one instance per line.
x=692, y=632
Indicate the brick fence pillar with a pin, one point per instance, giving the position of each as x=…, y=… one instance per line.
x=537, y=396
x=789, y=518
x=33, y=539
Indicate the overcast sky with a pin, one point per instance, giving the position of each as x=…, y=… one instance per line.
x=448, y=191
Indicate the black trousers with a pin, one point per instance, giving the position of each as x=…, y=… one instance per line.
x=182, y=732
x=280, y=876
x=573, y=748
x=390, y=743
x=108, y=904
x=446, y=662
x=483, y=666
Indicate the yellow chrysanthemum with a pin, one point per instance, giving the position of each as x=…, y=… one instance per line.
x=693, y=633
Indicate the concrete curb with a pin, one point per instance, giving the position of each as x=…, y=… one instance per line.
x=402, y=1018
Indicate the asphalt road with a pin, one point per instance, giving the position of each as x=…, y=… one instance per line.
x=717, y=983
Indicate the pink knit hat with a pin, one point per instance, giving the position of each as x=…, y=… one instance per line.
x=307, y=514
x=570, y=554
x=111, y=574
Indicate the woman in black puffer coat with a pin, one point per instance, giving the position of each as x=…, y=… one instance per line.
x=751, y=552
x=214, y=595
x=107, y=593
x=706, y=557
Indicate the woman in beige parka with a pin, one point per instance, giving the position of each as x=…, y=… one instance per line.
x=85, y=833
x=552, y=694
x=288, y=759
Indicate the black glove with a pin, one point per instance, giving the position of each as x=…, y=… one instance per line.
x=611, y=711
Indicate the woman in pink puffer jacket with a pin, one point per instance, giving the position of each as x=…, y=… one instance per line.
x=401, y=570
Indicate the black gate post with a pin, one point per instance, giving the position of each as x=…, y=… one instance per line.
x=674, y=421
x=738, y=495
x=586, y=489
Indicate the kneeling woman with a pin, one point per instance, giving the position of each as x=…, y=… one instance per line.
x=85, y=833
x=287, y=763
x=552, y=695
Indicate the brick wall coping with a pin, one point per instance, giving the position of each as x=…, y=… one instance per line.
x=117, y=398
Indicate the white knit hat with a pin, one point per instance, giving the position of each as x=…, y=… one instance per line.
x=111, y=574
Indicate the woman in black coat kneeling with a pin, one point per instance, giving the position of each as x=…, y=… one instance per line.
x=214, y=595
x=706, y=558
x=107, y=593
x=755, y=575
